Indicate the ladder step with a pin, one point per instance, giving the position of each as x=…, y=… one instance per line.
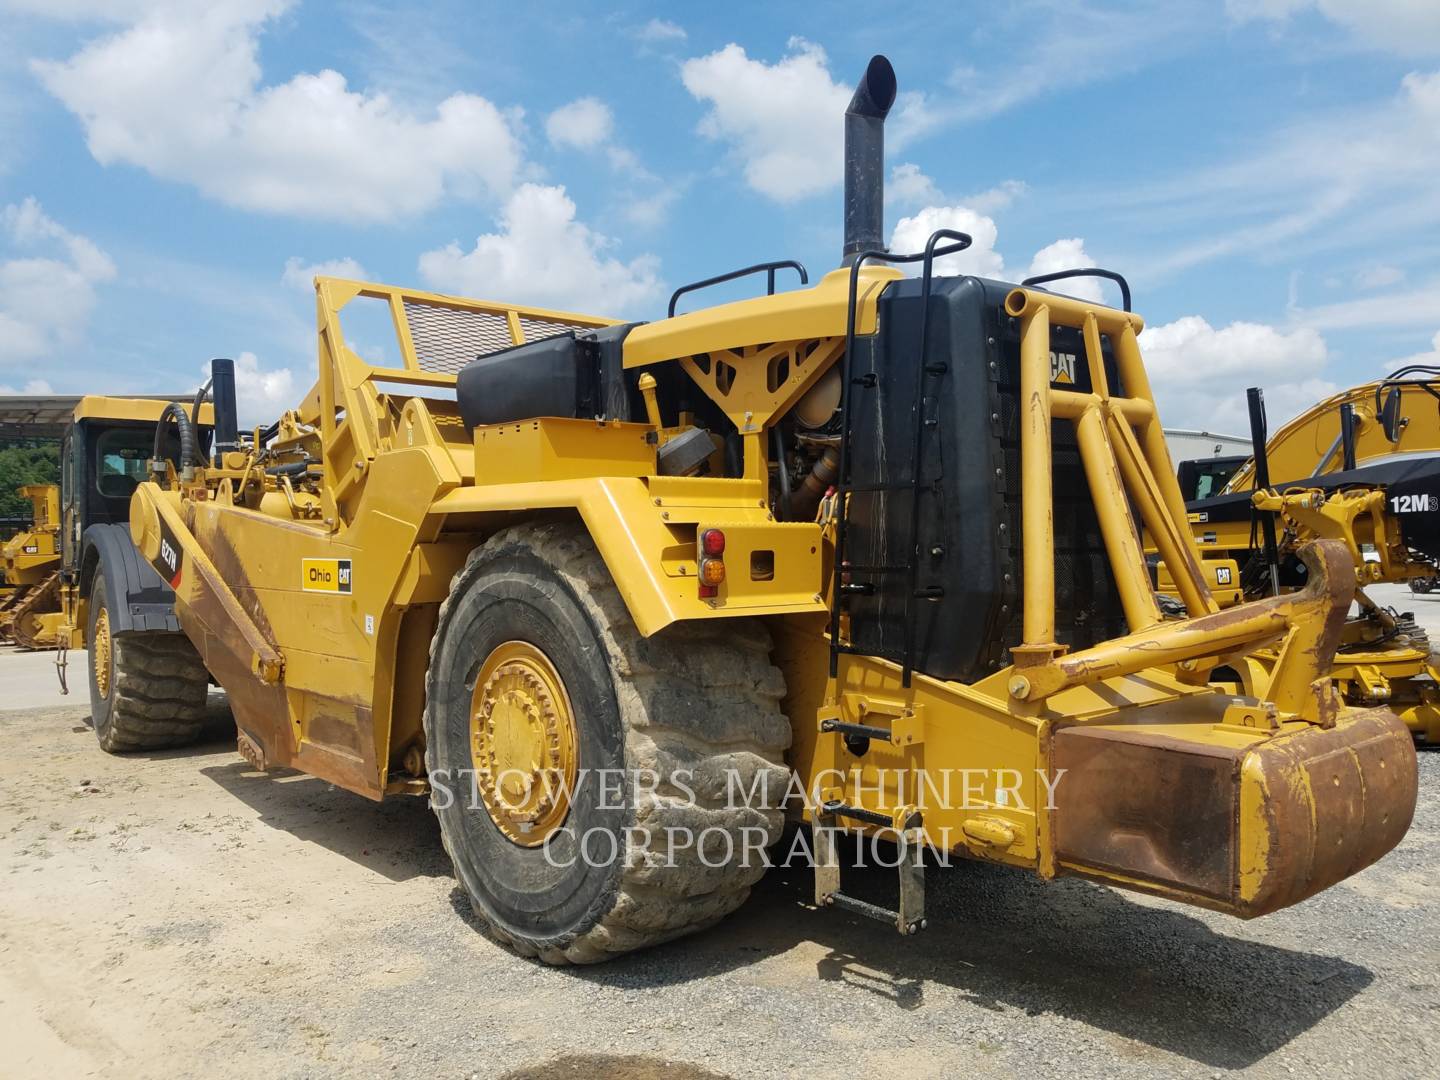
x=874, y=911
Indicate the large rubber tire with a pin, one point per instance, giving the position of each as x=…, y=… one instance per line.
x=697, y=704
x=155, y=685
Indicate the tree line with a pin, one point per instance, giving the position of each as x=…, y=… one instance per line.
x=25, y=461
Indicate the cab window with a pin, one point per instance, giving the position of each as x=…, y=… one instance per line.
x=122, y=461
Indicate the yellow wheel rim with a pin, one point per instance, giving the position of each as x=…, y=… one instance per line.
x=522, y=743
x=100, y=653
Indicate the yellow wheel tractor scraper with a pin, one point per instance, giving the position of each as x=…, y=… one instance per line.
x=613, y=594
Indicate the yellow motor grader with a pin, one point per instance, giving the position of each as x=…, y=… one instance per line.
x=1361, y=468
x=619, y=596
x=30, y=561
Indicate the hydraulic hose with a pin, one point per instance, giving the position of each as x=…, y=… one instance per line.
x=187, y=438
x=203, y=442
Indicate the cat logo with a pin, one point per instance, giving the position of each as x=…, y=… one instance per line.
x=1062, y=368
x=1222, y=575
x=325, y=575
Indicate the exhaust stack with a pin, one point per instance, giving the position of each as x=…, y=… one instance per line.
x=222, y=387
x=865, y=159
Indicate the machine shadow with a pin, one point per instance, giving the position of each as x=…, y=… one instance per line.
x=399, y=839
x=1007, y=941
x=1002, y=939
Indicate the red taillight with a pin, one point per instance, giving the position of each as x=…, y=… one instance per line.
x=712, y=542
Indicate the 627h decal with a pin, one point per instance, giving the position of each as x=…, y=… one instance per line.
x=167, y=558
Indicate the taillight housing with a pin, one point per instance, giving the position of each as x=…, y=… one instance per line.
x=711, y=571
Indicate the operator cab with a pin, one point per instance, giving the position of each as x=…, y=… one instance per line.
x=105, y=454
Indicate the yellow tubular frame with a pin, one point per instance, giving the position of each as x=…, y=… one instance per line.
x=1122, y=448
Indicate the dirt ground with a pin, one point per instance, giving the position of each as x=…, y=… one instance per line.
x=177, y=914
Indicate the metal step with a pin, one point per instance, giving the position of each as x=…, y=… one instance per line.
x=909, y=917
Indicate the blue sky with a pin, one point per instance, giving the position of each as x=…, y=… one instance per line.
x=1263, y=171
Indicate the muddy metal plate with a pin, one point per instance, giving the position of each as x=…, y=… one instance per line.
x=1331, y=803
x=1245, y=828
x=1162, y=809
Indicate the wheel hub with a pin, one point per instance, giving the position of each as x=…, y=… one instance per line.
x=522, y=743
x=100, y=653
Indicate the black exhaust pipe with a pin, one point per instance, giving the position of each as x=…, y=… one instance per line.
x=222, y=390
x=865, y=159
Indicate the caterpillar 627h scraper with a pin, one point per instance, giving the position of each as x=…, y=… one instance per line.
x=599, y=587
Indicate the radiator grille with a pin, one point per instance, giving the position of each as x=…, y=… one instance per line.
x=448, y=338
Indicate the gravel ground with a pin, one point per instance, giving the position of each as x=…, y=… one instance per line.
x=178, y=914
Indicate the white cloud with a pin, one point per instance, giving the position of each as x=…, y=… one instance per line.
x=1430, y=359
x=47, y=285
x=650, y=211
x=1190, y=350
x=301, y=275
x=178, y=92
x=782, y=120
x=261, y=394
x=658, y=31
x=1418, y=307
x=581, y=125
x=33, y=388
x=1047, y=37
x=1379, y=276
x=1199, y=374
x=1068, y=254
x=908, y=186
x=587, y=124
x=542, y=256
x=1405, y=26
x=996, y=198
x=1299, y=196
x=982, y=257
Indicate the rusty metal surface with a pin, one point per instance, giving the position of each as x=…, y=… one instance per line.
x=1339, y=799
x=1152, y=807
x=336, y=752
x=1246, y=828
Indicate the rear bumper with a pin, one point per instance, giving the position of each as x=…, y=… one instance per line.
x=1242, y=826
